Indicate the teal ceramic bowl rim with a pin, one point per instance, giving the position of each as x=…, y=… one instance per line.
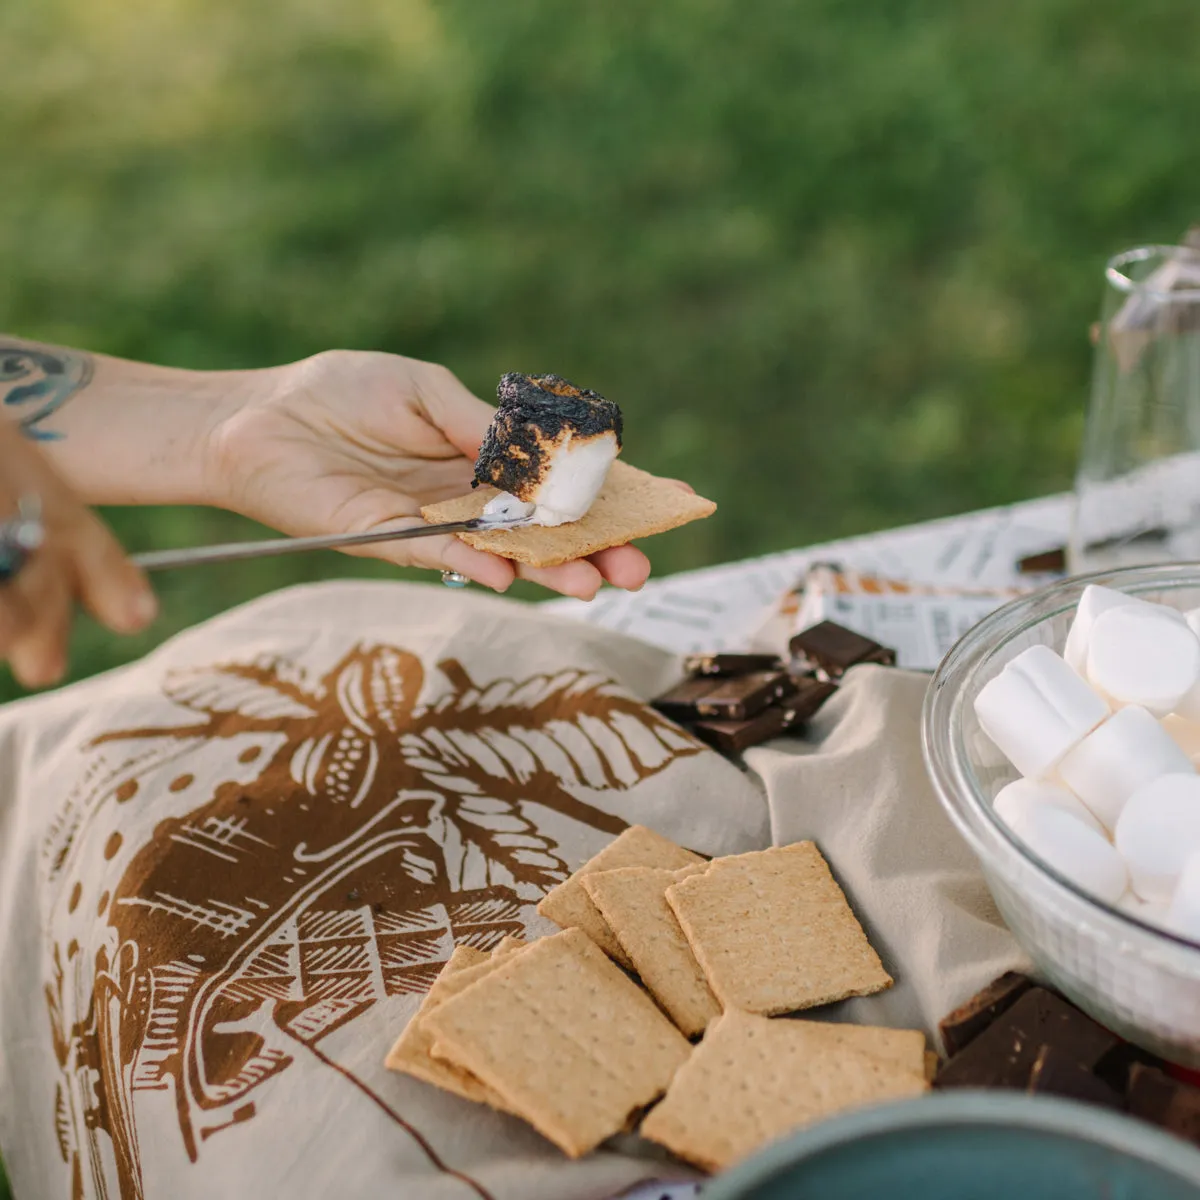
x=1071, y=1120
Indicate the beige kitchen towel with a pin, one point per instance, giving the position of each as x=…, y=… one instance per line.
x=229, y=872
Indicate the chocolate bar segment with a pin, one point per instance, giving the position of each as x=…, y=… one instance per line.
x=1056, y=1073
x=725, y=665
x=971, y=1018
x=809, y=695
x=1003, y=1055
x=834, y=649
x=680, y=702
x=745, y=696
x=1156, y=1097
x=1048, y=560
x=735, y=736
x=781, y=717
x=1116, y=1067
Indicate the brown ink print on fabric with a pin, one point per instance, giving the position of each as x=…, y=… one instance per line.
x=378, y=833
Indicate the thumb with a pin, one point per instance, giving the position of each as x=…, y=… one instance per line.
x=461, y=416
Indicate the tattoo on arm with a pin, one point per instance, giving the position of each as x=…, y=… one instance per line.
x=36, y=381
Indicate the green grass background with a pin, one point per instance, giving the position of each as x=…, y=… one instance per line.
x=836, y=261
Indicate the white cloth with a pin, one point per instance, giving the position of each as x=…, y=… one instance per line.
x=228, y=873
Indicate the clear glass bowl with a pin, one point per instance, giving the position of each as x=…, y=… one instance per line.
x=1138, y=980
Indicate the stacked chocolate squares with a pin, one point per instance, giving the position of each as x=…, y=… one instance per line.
x=735, y=701
x=1015, y=1034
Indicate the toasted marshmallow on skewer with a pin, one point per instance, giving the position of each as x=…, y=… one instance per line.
x=548, y=449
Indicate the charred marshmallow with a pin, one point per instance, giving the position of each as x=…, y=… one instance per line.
x=548, y=450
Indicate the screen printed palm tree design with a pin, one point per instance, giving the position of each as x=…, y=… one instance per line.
x=377, y=834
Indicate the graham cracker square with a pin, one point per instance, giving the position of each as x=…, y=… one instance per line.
x=565, y=1039
x=632, y=900
x=773, y=932
x=751, y=1080
x=412, y=1052
x=631, y=504
x=570, y=907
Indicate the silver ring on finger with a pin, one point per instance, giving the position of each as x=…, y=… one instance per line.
x=452, y=579
x=20, y=536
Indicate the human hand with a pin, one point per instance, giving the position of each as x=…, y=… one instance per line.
x=79, y=559
x=349, y=441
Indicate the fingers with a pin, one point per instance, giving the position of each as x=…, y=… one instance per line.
x=38, y=654
x=112, y=589
x=441, y=554
x=16, y=618
x=578, y=579
x=623, y=566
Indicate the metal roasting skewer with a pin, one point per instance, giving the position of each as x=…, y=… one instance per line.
x=21, y=534
x=162, y=560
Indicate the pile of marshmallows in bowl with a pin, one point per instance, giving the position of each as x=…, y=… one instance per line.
x=1102, y=736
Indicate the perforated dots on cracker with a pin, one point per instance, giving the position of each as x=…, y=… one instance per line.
x=564, y=1038
x=570, y=907
x=632, y=900
x=631, y=504
x=773, y=932
x=413, y=1054
x=752, y=1080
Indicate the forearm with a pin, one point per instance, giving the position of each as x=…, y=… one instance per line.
x=120, y=432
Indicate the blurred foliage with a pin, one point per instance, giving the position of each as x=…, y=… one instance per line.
x=837, y=262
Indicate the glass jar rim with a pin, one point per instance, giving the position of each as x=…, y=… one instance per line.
x=1115, y=273
x=944, y=749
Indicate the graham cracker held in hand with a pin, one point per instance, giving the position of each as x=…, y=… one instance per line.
x=570, y=907
x=631, y=504
x=412, y=1052
x=752, y=1080
x=564, y=1038
x=773, y=932
x=632, y=900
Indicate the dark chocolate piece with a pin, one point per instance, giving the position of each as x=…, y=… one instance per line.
x=1116, y=1067
x=1057, y=1074
x=724, y=665
x=1048, y=560
x=809, y=695
x=970, y=1019
x=781, y=717
x=745, y=696
x=1156, y=1097
x=680, y=702
x=1003, y=1054
x=834, y=649
x=735, y=736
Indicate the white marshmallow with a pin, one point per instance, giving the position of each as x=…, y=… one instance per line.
x=1185, y=734
x=1036, y=709
x=1138, y=656
x=1017, y=798
x=506, y=507
x=1192, y=617
x=1183, y=914
x=1189, y=707
x=1092, y=603
x=1149, y=911
x=1075, y=850
x=1114, y=760
x=1157, y=831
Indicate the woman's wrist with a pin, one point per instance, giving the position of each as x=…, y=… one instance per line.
x=123, y=432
